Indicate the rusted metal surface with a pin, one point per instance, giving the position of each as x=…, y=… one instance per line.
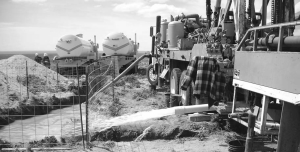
x=289, y=132
x=250, y=133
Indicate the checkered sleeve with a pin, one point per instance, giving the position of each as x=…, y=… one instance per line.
x=219, y=86
x=191, y=69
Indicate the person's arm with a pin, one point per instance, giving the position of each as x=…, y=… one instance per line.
x=189, y=73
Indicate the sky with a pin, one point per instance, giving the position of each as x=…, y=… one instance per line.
x=37, y=25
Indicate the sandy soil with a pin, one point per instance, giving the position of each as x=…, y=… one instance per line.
x=13, y=79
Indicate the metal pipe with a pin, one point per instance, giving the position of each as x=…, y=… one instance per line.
x=237, y=115
x=269, y=125
x=158, y=23
x=152, y=49
x=217, y=12
x=290, y=41
x=275, y=25
x=122, y=74
x=196, y=16
x=250, y=133
x=265, y=27
x=263, y=12
x=191, y=109
x=158, y=20
x=208, y=12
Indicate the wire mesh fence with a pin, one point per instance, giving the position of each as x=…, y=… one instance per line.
x=39, y=103
x=46, y=107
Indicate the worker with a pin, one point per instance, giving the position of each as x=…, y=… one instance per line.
x=46, y=60
x=37, y=58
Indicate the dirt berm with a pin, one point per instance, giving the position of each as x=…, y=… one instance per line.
x=169, y=127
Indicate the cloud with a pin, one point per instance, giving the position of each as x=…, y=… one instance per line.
x=158, y=1
x=97, y=6
x=160, y=9
x=30, y=1
x=148, y=10
x=128, y=7
x=6, y=24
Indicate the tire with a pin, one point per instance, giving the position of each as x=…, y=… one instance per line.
x=185, y=94
x=152, y=78
x=175, y=80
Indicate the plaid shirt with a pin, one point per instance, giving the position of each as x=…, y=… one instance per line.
x=208, y=79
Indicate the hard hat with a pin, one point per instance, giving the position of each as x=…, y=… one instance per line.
x=45, y=54
x=36, y=54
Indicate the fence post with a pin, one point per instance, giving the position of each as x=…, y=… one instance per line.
x=113, y=84
x=87, y=105
x=57, y=73
x=79, y=96
x=27, y=81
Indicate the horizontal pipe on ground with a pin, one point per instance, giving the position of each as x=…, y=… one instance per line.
x=192, y=109
x=237, y=115
x=270, y=125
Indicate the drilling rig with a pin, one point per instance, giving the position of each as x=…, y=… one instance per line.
x=260, y=61
x=185, y=36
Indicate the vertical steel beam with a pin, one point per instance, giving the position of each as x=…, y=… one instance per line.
x=264, y=14
x=217, y=12
x=289, y=131
x=152, y=49
x=250, y=133
x=264, y=112
x=289, y=15
x=280, y=11
x=234, y=100
x=255, y=40
x=280, y=42
x=158, y=21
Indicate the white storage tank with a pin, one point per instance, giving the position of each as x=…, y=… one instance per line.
x=118, y=44
x=175, y=31
x=73, y=46
x=163, y=29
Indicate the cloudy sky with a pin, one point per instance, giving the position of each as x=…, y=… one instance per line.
x=39, y=24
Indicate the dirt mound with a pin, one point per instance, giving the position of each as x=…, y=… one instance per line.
x=169, y=127
x=14, y=81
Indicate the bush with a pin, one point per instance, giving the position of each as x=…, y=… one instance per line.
x=49, y=141
x=5, y=144
x=115, y=107
x=144, y=94
x=120, y=83
x=13, y=97
x=34, y=100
